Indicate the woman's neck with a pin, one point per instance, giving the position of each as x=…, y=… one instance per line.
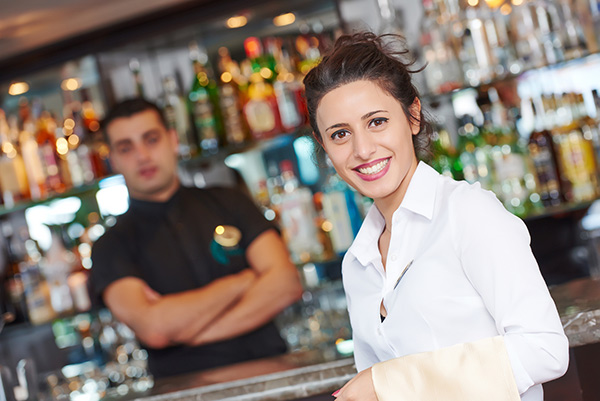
x=388, y=205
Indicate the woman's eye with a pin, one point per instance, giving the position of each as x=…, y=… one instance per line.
x=341, y=134
x=376, y=122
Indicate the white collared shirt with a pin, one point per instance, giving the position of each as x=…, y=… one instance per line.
x=471, y=275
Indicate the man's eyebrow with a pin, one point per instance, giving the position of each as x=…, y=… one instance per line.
x=125, y=141
x=152, y=131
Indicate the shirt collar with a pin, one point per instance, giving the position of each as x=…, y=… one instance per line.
x=420, y=195
x=419, y=199
x=156, y=207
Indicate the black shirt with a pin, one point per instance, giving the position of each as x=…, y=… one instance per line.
x=170, y=246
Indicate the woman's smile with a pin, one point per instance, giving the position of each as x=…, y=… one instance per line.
x=374, y=170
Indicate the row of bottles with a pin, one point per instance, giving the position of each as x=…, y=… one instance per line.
x=316, y=225
x=40, y=157
x=256, y=98
x=40, y=287
x=558, y=163
x=474, y=42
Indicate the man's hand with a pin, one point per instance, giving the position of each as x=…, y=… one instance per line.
x=161, y=320
x=151, y=295
x=360, y=388
x=277, y=286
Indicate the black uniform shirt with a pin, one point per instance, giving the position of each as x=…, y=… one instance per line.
x=170, y=246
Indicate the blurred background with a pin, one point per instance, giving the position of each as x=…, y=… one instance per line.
x=511, y=87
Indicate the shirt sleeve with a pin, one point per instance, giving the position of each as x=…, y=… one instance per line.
x=111, y=261
x=494, y=248
x=245, y=213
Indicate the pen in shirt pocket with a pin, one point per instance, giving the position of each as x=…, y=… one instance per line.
x=403, y=273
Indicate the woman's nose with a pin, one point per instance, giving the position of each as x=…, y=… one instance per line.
x=364, y=146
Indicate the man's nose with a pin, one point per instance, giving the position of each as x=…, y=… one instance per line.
x=143, y=153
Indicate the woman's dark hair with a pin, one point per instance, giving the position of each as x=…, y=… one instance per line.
x=366, y=56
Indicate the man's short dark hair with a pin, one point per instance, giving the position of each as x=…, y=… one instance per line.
x=128, y=108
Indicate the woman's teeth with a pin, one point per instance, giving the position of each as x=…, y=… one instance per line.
x=375, y=168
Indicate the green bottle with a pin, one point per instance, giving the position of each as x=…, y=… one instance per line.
x=203, y=102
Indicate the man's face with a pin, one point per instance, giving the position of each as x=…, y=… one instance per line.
x=144, y=151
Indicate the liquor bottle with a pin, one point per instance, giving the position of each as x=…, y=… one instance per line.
x=573, y=36
x=13, y=177
x=286, y=87
x=484, y=56
x=589, y=126
x=575, y=154
x=33, y=164
x=177, y=117
x=56, y=266
x=547, y=29
x=260, y=109
x=264, y=202
x=443, y=73
x=13, y=282
x=230, y=100
x=445, y=159
x=340, y=208
x=596, y=98
x=203, y=102
x=473, y=154
x=514, y=183
x=297, y=216
x=543, y=156
x=527, y=43
x=135, y=68
x=46, y=139
x=390, y=21
x=37, y=293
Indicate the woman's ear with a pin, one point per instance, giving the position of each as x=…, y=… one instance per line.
x=415, y=116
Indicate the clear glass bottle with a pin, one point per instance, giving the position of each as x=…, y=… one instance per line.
x=177, y=117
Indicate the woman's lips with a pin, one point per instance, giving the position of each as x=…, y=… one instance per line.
x=374, y=170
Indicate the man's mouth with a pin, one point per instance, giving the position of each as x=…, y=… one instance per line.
x=147, y=171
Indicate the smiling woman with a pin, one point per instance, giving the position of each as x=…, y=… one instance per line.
x=432, y=293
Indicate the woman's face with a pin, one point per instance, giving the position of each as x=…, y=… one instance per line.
x=368, y=138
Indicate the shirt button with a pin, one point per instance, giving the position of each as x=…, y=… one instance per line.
x=394, y=257
x=379, y=330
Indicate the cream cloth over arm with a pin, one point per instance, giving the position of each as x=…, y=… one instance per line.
x=475, y=371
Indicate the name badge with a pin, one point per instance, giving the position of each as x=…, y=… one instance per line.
x=225, y=243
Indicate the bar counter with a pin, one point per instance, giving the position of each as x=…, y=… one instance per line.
x=306, y=374
x=578, y=303
x=287, y=377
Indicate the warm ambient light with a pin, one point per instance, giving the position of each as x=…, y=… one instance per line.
x=494, y=3
x=18, y=88
x=219, y=230
x=62, y=146
x=226, y=77
x=70, y=84
x=506, y=9
x=473, y=3
x=517, y=2
x=237, y=21
x=284, y=19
